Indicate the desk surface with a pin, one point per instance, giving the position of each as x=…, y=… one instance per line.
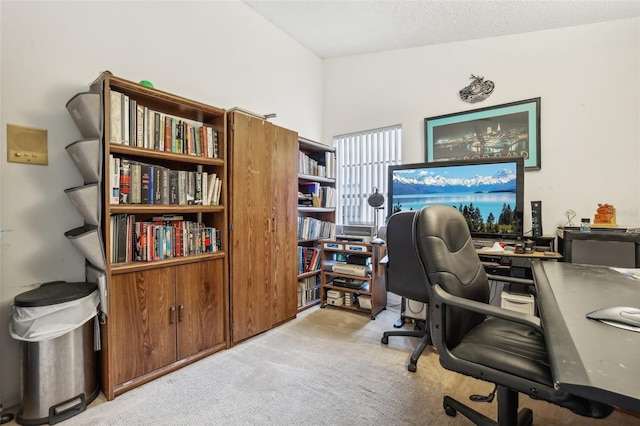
x=589, y=358
x=507, y=253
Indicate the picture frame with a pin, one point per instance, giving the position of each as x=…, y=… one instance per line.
x=511, y=129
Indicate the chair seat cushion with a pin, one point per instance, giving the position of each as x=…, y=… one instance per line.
x=509, y=347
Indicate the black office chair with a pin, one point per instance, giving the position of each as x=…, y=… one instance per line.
x=476, y=339
x=404, y=278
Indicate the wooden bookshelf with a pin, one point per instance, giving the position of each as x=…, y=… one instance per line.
x=316, y=211
x=170, y=309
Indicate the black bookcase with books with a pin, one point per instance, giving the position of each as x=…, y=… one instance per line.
x=316, y=214
x=157, y=194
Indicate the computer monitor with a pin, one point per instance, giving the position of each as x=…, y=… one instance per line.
x=489, y=192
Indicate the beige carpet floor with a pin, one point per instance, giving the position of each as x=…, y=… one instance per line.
x=326, y=367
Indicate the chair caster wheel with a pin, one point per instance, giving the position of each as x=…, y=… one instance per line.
x=412, y=367
x=384, y=340
x=450, y=411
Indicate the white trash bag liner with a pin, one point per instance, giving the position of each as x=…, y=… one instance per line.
x=35, y=324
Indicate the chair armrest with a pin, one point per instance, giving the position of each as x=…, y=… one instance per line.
x=483, y=308
x=514, y=280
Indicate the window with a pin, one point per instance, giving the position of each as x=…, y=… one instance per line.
x=362, y=159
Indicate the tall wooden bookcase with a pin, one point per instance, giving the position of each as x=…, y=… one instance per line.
x=173, y=310
x=316, y=214
x=262, y=204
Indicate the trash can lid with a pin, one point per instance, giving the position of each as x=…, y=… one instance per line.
x=54, y=292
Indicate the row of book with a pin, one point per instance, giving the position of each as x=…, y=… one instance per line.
x=164, y=237
x=134, y=182
x=308, y=290
x=319, y=195
x=137, y=125
x=325, y=167
x=308, y=259
x=310, y=228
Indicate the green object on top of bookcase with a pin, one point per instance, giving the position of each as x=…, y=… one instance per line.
x=146, y=83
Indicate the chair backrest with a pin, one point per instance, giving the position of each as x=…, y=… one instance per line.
x=448, y=258
x=403, y=271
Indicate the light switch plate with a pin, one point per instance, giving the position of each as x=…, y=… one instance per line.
x=26, y=145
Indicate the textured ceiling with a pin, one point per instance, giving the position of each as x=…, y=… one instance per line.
x=344, y=28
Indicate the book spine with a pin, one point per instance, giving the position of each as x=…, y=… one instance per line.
x=115, y=117
x=133, y=127
x=125, y=181
x=114, y=175
x=140, y=126
x=136, y=183
x=145, y=184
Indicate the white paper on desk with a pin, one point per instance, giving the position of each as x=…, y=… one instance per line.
x=630, y=272
x=496, y=247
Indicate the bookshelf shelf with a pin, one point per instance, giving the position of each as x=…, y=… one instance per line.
x=123, y=268
x=163, y=209
x=170, y=311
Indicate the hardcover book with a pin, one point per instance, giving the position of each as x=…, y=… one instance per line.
x=125, y=181
x=115, y=117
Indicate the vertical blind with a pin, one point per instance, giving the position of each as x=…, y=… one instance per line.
x=362, y=160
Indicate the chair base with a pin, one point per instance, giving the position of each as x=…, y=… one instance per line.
x=508, y=414
x=424, y=342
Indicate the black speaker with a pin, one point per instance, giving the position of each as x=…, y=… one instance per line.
x=536, y=218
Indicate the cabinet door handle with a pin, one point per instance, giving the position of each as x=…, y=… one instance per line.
x=172, y=315
x=180, y=310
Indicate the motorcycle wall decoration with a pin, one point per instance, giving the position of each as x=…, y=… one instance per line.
x=477, y=91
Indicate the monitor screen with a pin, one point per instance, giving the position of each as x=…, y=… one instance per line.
x=488, y=192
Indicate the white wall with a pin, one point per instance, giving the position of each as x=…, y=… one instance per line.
x=588, y=79
x=219, y=53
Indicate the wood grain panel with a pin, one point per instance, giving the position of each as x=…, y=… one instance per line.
x=250, y=221
x=284, y=236
x=139, y=321
x=201, y=320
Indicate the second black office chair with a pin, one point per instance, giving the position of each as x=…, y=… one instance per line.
x=474, y=338
x=404, y=278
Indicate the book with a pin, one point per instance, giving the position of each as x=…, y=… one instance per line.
x=114, y=179
x=168, y=135
x=133, y=127
x=121, y=226
x=191, y=187
x=145, y=184
x=136, y=182
x=157, y=185
x=125, y=181
x=125, y=120
x=164, y=186
x=115, y=117
x=140, y=126
x=173, y=187
x=156, y=131
x=197, y=199
x=211, y=186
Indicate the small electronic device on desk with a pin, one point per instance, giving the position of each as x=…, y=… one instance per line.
x=349, y=282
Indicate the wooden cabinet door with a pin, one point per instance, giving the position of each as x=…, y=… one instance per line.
x=284, y=209
x=250, y=226
x=200, y=306
x=141, y=322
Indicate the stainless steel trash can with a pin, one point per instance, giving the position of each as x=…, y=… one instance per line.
x=59, y=375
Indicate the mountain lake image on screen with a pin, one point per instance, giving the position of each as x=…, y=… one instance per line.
x=489, y=193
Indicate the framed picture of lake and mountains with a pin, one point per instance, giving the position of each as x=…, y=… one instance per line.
x=507, y=130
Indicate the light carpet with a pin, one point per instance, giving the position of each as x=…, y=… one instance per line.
x=326, y=367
